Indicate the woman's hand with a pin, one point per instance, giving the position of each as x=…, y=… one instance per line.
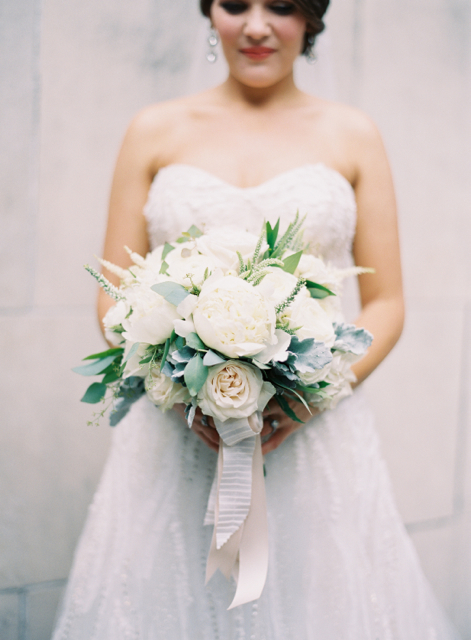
x=204, y=427
x=284, y=425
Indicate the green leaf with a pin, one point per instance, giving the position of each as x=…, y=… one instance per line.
x=195, y=374
x=94, y=368
x=272, y=234
x=168, y=342
x=317, y=290
x=95, y=393
x=166, y=250
x=211, y=358
x=164, y=267
x=194, y=341
x=111, y=376
x=104, y=354
x=291, y=262
x=171, y=291
x=287, y=409
x=179, y=342
x=131, y=352
x=194, y=232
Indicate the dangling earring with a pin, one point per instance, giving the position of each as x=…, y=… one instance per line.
x=310, y=53
x=213, y=40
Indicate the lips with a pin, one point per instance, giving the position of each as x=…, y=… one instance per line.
x=257, y=53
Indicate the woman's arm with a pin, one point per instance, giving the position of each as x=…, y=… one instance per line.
x=377, y=245
x=126, y=223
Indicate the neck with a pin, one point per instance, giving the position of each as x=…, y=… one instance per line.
x=280, y=93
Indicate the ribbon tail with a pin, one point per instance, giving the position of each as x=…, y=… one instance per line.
x=253, y=551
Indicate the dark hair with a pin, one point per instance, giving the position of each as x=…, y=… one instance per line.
x=312, y=10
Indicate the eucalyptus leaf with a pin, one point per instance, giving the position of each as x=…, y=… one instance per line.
x=167, y=369
x=194, y=232
x=195, y=342
x=94, y=368
x=131, y=352
x=110, y=376
x=95, y=393
x=166, y=250
x=195, y=374
x=130, y=390
x=171, y=291
x=164, y=267
x=183, y=355
x=104, y=354
x=211, y=358
x=291, y=262
x=179, y=342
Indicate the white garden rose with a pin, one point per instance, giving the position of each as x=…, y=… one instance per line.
x=163, y=392
x=152, y=318
x=114, y=317
x=315, y=269
x=339, y=376
x=277, y=285
x=234, y=389
x=233, y=317
x=133, y=366
x=309, y=320
x=185, y=260
x=223, y=243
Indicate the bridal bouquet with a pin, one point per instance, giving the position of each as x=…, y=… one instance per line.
x=225, y=321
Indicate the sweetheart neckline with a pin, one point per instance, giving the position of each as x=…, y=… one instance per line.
x=313, y=165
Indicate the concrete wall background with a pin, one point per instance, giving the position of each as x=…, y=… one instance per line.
x=72, y=75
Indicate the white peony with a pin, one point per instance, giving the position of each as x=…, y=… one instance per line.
x=233, y=317
x=114, y=317
x=234, y=389
x=163, y=392
x=307, y=317
x=152, y=318
x=277, y=285
x=222, y=245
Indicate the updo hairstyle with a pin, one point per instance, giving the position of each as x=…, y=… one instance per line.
x=312, y=10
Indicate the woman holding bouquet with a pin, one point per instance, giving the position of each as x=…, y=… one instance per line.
x=341, y=565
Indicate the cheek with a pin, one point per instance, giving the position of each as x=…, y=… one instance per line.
x=292, y=31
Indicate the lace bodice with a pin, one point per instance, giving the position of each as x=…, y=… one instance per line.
x=182, y=195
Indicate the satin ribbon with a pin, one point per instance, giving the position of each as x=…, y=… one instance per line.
x=237, y=509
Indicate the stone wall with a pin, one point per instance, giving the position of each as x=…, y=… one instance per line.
x=72, y=75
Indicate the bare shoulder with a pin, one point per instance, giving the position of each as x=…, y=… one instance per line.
x=353, y=136
x=156, y=130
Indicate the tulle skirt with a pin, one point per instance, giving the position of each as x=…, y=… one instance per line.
x=341, y=564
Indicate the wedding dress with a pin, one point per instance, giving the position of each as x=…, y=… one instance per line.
x=341, y=565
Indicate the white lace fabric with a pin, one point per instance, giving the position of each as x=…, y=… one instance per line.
x=341, y=564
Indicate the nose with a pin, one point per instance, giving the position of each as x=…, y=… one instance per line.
x=257, y=25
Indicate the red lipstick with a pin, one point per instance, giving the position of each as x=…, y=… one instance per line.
x=257, y=53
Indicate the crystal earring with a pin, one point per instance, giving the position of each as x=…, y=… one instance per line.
x=213, y=40
x=310, y=53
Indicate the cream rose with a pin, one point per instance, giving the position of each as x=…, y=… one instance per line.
x=307, y=317
x=163, y=392
x=233, y=317
x=234, y=389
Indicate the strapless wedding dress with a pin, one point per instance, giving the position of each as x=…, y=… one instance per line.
x=341, y=564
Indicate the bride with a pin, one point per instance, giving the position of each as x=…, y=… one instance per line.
x=341, y=565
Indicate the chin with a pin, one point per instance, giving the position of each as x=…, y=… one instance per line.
x=259, y=78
